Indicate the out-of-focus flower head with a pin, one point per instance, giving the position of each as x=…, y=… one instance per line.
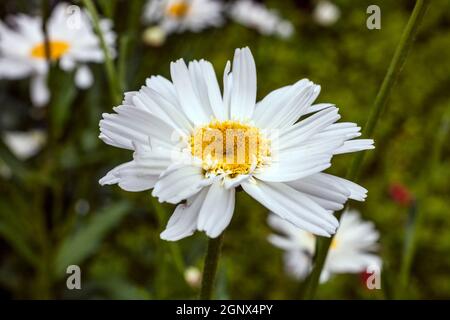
x=71, y=41
x=401, y=194
x=256, y=16
x=351, y=251
x=184, y=15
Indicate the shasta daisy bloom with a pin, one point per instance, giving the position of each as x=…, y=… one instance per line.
x=184, y=15
x=72, y=42
x=256, y=16
x=351, y=250
x=195, y=145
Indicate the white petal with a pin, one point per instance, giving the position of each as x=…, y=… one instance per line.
x=356, y=191
x=217, y=210
x=293, y=206
x=318, y=107
x=67, y=63
x=282, y=226
x=84, y=77
x=227, y=85
x=13, y=69
x=293, y=136
x=213, y=90
x=329, y=195
x=298, y=263
x=165, y=88
x=283, y=107
x=297, y=165
x=131, y=176
x=243, y=92
x=157, y=104
x=183, y=221
x=132, y=124
x=355, y=145
x=179, y=182
x=189, y=101
x=40, y=94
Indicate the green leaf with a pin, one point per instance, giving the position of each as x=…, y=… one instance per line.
x=82, y=244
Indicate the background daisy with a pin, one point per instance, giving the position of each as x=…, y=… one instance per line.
x=256, y=16
x=72, y=43
x=184, y=15
x=352, y=249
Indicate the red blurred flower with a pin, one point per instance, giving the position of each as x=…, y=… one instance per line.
x=400, y=194
x=363, y=276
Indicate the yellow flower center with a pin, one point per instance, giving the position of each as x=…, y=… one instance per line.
x=229, y=147
x=57, y=50
x=178, y=9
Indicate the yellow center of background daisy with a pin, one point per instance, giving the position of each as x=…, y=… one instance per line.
x=178, y=9
x=57, y=50
x=229, y=147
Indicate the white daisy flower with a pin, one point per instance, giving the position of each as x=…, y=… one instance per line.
x=184, y=15
x=71, y=40
x=256, y=16
x=326, y=13
x=351, y=250
x=25, y=144
x=195, y=145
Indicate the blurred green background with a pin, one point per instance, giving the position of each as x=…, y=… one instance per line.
x=53, y=212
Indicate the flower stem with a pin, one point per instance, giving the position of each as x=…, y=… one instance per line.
x=395, y=67
x=114, y=85
x=210, y=267
x=381, y=99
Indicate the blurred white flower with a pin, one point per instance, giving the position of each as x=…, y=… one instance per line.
x=258, y=146
x=25, y=144
x=23, y=53
x=326, y=13
x=154, y=36
x=184, y=15
x=193, y=277
x=351, y=251
x=256, y=16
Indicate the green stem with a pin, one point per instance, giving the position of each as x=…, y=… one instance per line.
x=210, y=267
x=111, y=73
x=395, y=67
x=381, y=99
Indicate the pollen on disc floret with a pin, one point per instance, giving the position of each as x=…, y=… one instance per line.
x=229, y=147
